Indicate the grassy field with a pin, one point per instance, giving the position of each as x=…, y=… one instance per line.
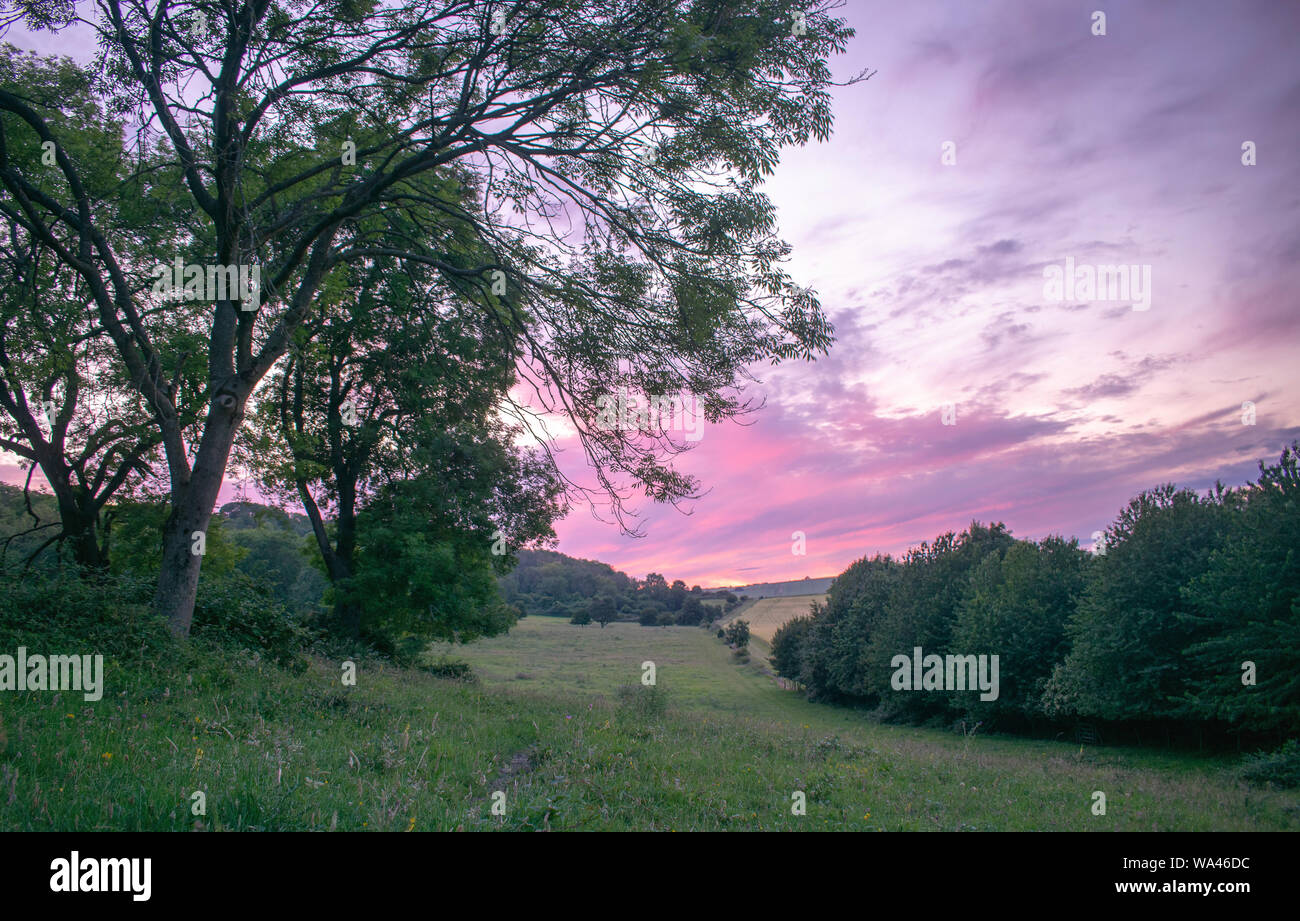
x=547, y=726
x=766, y=615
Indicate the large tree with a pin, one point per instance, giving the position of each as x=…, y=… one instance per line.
x=403, y=380
x=1133, y=622
x=1016, y=606
x=67, y=408
x=615, y=150
x=1247, y=606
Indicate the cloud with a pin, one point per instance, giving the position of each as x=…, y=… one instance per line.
x=1123, y=383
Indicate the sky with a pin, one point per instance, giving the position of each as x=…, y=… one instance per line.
x=994, y=141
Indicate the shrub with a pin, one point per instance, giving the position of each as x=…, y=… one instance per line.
x=454, y=669
x=112, y=615
x=737, y=633
x=99, y=614
x=234, y=611
x=644, y=702
x=788, y=645
x=1281, y=767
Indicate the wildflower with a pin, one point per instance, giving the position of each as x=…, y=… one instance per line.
x=108, y=756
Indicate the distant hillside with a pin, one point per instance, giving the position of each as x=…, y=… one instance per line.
x=804, y=586
x=553, y=584
x=244, y=515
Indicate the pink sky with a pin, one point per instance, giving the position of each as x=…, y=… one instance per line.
x=1116, y=149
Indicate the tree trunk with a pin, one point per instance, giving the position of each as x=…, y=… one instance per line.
x=348, y=614
x=178, y=581
x=192, y=504
x=80, y=524
x=347, y=610
x=78, y=517
x=338, y=561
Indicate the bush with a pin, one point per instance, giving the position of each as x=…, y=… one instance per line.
x=98, y=615
x=788, y=646
x=112, y=615
x=234, y=611
x=692, y=612
x=1281, y=767
x=454, y=669
x=644, y=702
x=737, y=633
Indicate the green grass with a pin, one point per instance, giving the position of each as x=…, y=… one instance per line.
x=403, y=750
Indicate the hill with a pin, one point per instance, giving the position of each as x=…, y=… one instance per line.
x=805, y=586
x=766, y=615
x=553, y=584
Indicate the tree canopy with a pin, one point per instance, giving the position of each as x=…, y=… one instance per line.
x=589, y=171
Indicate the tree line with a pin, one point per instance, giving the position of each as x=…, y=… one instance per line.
x=552, y=584
x=1183, y=623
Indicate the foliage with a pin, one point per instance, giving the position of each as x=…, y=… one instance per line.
x=1247, y=606
x=422, y=574
x=1016, y=606
x=552, y=584
x=454, y=669
x=670, y=278
x=1188, y=619
x=235, y=611
x=736, y=633
x=788, y=645
x=1132, y=627
x=1281, y=767
x=603, y=610
x=692, y=611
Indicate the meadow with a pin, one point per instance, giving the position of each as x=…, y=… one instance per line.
x=715, y=745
